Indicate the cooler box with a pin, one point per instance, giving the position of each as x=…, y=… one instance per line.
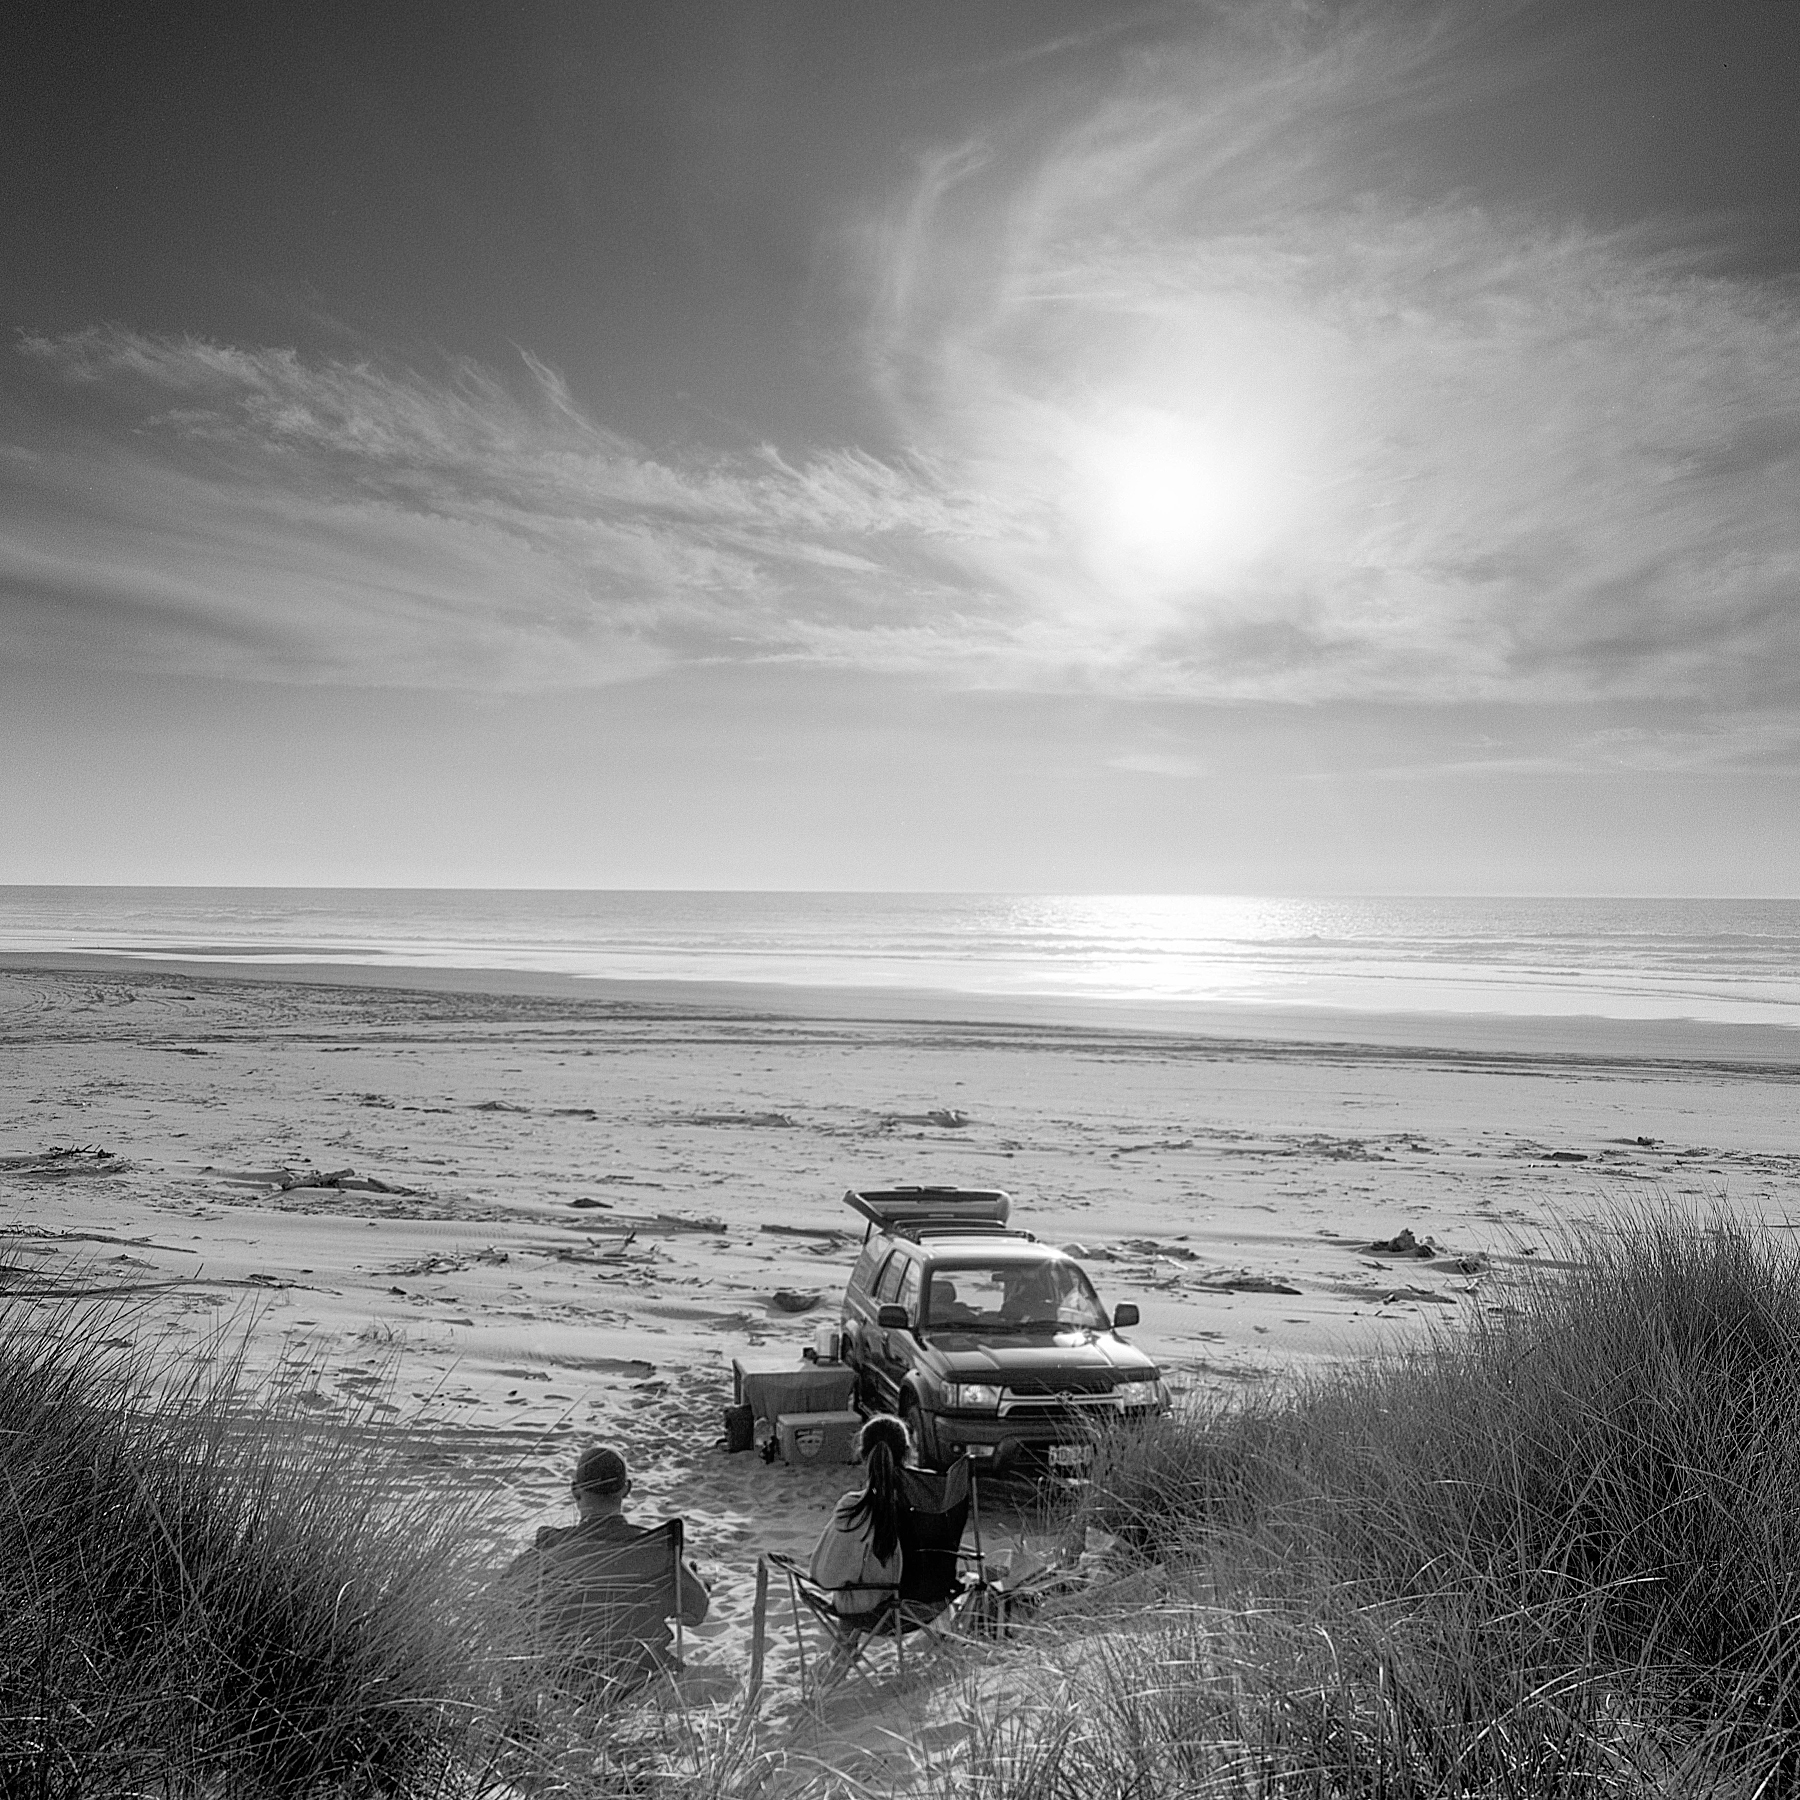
x=818, y=1437
x=772, y=1388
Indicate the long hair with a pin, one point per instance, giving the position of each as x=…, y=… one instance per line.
x=882, y=1444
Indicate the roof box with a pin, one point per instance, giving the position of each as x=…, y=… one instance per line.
x=910, y=1208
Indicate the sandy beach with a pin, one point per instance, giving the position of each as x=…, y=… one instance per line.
x=557, y=1210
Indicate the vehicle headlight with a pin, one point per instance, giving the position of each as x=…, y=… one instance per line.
x=1139, y=1393
x=975, y=1396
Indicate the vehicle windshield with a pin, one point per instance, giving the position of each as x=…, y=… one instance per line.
x=1012, y=1296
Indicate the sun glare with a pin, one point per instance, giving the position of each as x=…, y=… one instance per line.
x=1167, y=501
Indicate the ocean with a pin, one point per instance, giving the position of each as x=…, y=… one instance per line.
x=1723, y=961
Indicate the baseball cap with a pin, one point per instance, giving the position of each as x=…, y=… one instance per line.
x=600, y=1471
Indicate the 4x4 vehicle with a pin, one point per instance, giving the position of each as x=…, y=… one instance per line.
x=984, y=1340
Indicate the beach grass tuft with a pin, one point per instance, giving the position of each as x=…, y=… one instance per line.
x=1554, y=1549
x=200, y=1594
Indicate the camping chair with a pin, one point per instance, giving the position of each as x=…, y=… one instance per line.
x=596, y=1618
x=931, y=1581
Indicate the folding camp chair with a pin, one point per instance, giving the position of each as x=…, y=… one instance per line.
x=594, y=1613
x=931, y=1582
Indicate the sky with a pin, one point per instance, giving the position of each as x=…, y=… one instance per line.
x=905, y=444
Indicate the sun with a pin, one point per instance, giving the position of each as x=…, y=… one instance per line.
x=1171, y=501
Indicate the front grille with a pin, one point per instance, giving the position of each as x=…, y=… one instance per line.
x=1012, y=1401
x=1053, y=1387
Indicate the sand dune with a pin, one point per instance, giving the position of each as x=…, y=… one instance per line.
x=514, y=1223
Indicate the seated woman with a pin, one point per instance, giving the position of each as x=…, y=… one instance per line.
x=858, y=1552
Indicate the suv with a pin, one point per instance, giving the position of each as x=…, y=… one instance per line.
x=983, y=1340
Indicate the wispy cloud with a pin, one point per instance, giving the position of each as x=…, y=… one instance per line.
x=1288, y=425
x=254, y=510
x=1202, y=396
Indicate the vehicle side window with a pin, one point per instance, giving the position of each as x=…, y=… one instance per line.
x=909, y=1292
x=863, y=1275
x=889, y=1284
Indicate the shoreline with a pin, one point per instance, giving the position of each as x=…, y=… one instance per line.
x=1506, y=1037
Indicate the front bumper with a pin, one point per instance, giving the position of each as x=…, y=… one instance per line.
x=1035, y=1440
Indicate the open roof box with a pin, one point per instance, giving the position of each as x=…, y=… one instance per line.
x=906, y=1209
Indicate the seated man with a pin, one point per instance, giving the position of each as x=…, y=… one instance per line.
x=595, y=1597
x=1032, y=1296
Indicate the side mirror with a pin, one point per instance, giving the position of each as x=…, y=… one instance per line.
x=1125, y=1313
x=891, y=1318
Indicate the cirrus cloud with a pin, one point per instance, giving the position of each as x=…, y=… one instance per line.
x=1290, y=425
x=256, y=511
x=1200, y=394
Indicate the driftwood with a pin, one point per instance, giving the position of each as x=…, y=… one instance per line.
x=1151, y=1247
x=1243, y=1284
x=777, y=1121
x=345, y=1181
x=1395, y=1296
x=63, y=1160
x=38, y=1234
x=653, y=1224
x=33, y=1287
x=450, y=1262
x=1403, y=1244
x=616, y=1253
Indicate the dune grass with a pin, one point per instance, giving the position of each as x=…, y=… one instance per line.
x=1554, y=1550
x=198, y=1595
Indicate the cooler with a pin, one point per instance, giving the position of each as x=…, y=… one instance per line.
x=818, y=1437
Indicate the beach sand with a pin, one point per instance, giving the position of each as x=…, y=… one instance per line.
x=558, y=1221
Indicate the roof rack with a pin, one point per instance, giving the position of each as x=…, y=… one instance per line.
x=912, y=1211
x=925, y=1228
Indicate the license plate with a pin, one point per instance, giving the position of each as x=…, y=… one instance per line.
x=1071, y=1456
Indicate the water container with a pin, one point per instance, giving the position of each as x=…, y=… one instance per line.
x=826, y=1342
x=740, y=1428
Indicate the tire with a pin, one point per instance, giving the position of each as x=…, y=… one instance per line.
x=913, y=1418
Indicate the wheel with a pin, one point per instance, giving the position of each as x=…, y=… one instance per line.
x=913, y=1418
